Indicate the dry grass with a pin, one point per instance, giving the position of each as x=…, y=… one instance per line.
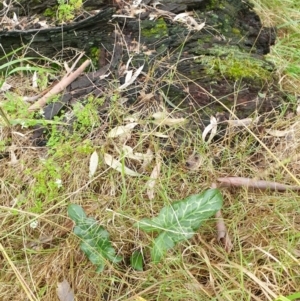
x=264, y=226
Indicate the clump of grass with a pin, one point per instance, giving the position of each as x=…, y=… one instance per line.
x=285, y=53
x=42, y=182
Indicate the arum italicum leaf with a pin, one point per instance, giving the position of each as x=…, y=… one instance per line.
x=180, y=220
x=136, y=261
x=95, y=241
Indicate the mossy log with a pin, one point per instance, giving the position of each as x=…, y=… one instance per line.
x=223, y=60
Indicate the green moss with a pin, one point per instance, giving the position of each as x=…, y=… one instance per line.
x=242, y=68
x=49, y=12
x=94, y=55
x=64, y=11
x=235, y=31
x=154, y=29
x=234, y=64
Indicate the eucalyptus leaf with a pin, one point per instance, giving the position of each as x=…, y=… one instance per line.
x=95, y=241
x=179, y=221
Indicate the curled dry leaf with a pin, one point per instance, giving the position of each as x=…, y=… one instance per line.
x=212, y=127
x=93, y=163
x=122, y=130
x=222, y=234
x=115, y=164
x=153, y=177
x=64, y=291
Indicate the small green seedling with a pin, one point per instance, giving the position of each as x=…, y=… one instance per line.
x=179, y=221
x=95, y=242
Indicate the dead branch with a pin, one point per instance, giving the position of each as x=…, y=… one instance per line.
x=252, y=183
x=59, y=87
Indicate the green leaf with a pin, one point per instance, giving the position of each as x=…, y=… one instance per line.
x=180, y=220
x=76, y=213
x=95, y=239
x=289, y=298
x=136, y=261
x=294, y=296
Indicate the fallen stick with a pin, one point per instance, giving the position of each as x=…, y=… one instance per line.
x=59, y=87
x=252, y=183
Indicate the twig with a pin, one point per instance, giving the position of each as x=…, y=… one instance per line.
x=252, y=183
x=67, y=80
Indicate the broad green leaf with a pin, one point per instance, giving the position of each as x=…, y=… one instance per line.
x=179, y=221
x=95, y=241
x=161, y=245
x=76, y=213
x=136, y=261
x=289, y=298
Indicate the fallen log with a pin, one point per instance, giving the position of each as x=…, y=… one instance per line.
x=204, y=55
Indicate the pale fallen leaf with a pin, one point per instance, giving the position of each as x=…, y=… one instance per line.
x=15, y=18
x=128, y=76
x=278, y=133
x=182, y=16
x=222, y=234
x=152, y=181
x=161, y=118
x=132, y=79
x=122, y=130
x=242, y=122
x=64, y=291
x=128, y=152
x=115, y=164
x=128, y=62
x=212, y=128
x=34, y=80
x=160, y=135
x=94, y=159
